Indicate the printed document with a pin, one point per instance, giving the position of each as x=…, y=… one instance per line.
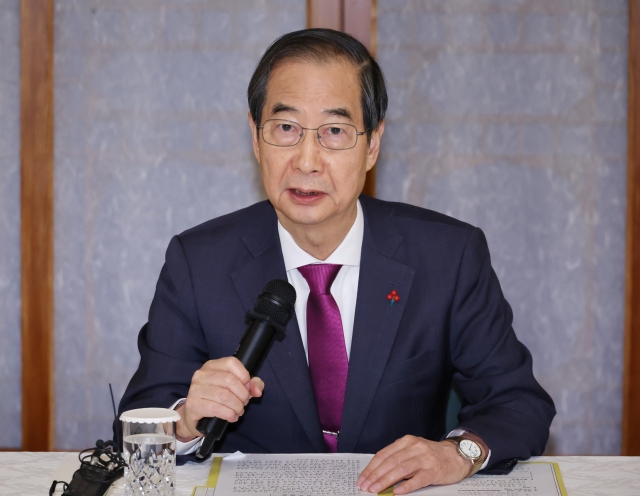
x=291, y=475
x=336, y=475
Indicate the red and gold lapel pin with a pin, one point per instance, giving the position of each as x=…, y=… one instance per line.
x=393, y=297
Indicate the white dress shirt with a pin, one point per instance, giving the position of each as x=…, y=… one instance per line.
x=344, y=290
x=345, y=286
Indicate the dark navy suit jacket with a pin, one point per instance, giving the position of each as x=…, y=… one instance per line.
x=452, y=322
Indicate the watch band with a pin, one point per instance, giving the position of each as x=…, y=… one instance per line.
x=477, y=461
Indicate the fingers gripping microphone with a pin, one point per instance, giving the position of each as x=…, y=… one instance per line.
x=268, y=319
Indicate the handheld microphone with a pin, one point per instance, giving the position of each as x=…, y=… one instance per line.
x=267, y=320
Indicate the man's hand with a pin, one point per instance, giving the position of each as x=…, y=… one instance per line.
x=221, y=388
x=422, y=462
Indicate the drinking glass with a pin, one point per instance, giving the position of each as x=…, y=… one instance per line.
x=149, y=442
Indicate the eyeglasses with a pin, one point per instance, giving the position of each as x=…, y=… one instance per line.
x=333, y=136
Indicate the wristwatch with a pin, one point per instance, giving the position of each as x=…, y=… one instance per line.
x=469, y=450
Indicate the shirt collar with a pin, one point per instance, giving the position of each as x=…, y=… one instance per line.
x=347, y=253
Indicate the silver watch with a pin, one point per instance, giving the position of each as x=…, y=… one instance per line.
x=469, y=450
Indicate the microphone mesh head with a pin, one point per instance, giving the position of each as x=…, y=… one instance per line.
x=276, y=301
x=281, y=289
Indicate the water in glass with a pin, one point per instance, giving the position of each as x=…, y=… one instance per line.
x=151, y=464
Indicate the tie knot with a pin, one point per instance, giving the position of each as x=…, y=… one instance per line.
x=320, y=276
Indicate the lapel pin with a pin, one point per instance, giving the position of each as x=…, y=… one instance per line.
x=393, y=297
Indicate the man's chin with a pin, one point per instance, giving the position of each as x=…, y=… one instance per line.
x=302, y=216
x=306, y=220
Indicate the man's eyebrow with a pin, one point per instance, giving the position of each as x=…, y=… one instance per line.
x=281, y=107
x=340, y=112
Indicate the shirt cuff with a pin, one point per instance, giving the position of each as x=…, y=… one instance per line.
x=460, y=432
x=190, y=446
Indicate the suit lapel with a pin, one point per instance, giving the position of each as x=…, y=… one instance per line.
x=287, y=357
x=376, y=321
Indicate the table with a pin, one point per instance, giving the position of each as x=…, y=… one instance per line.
x=30, y=474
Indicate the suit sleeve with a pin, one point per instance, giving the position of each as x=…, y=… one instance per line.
x=172, y=344
x=502, y=401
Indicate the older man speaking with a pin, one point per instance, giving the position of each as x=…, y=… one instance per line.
x=395, y=302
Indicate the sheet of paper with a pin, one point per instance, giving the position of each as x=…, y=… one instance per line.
x=292, y=475
x=335, y=475
x=527, y=478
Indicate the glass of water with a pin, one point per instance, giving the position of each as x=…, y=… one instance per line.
x=149, y=442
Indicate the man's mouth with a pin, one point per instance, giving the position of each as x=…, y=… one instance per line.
x=305, y=193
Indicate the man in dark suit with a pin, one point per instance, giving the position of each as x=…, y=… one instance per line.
x=413, y=299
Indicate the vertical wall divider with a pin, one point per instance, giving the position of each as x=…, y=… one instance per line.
x=36, y=156
x=631, y=390
x=359, y=19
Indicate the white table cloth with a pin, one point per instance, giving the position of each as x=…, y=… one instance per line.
x=31, y=474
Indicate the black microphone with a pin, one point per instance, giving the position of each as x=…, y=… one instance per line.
x=267, y=320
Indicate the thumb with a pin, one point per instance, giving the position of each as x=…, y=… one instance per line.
x=256, y=387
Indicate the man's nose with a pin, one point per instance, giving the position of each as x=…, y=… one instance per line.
x=308, y=159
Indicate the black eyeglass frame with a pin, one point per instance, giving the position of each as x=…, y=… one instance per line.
x=358, y=133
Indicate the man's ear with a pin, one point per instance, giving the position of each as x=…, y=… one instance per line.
x=374, y=146
x=254, y=137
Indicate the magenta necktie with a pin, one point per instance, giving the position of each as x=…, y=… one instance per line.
x=328, y=363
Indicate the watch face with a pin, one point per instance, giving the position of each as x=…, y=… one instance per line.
x=470, y=449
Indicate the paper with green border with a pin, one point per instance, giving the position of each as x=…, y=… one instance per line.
x=212, y=479
x=216, y=465
x=214, y=473
x=556, y=471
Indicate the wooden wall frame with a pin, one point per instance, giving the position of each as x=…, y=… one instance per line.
x=631, y=391
x=36, y=156
x=359, y=19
